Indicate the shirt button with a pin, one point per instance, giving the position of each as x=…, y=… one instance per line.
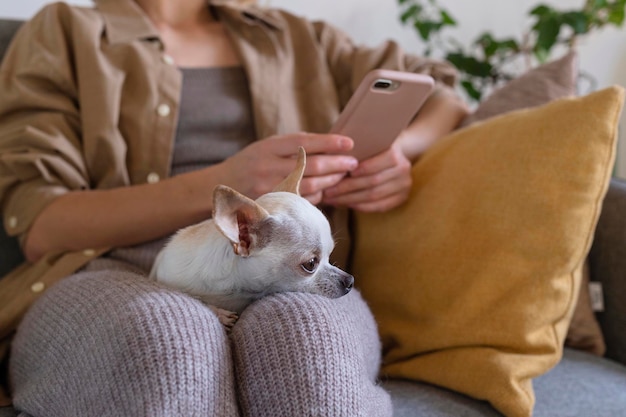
x=153, y=178
x=89, y=252
x=12, y=222
x=168, y=59
x=37, y=287
x=163, y=110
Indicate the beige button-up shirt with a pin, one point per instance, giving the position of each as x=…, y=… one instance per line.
x=89, y=100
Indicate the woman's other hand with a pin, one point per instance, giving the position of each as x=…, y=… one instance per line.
x=384, y=181
x=378, y=184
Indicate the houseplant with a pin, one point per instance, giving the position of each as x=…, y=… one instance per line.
x=489, y=61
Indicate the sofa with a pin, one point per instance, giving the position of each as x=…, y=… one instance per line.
x=581, y=384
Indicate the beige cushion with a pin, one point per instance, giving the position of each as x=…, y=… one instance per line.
x=556, y=79
x=474, y=280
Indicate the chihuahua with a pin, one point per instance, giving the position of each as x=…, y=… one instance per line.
x=278, y=243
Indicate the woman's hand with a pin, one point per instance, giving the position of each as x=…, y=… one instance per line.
x=384, y=181
x=262, y=165
x=378, y=184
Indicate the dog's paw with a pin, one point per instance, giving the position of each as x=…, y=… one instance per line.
x=227, y=318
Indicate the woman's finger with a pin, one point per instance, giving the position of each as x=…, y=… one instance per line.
x=313, y=143
x=392, y=157
x=318, y=184
x=352, y=184
x=318, y=165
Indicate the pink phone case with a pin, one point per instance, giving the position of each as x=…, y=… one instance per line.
x=381, y=107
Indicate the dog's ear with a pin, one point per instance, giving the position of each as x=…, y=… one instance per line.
x=237, y=217
x=291, y=184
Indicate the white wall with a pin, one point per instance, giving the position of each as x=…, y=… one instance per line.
x=603, y=55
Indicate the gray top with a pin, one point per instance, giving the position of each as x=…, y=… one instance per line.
x=215, y=119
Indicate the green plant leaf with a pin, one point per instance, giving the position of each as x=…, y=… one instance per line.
x=541, y=54
x=412, y=12
x=540, y=10
x=492, y=46
x=548, y=29
x=471, y=91
x=510, y=45
x=487, y=43
x=470, y=65
x=599, y=4
x=616, y=15
x=578, y=21
x=426, y=28
x=447, y=19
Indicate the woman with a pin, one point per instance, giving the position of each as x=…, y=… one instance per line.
x=115, y=125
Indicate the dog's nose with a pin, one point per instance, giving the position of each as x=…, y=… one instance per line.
x=348, y=282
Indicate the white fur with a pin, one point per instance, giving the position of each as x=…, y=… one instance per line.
x=202, y=261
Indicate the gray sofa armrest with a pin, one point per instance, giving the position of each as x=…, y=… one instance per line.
x=10, y=253
x=7, y=30
x=607, y=261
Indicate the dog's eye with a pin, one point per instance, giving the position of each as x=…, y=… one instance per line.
x=310, y=266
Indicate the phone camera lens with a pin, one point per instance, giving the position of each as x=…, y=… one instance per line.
x=382, y=84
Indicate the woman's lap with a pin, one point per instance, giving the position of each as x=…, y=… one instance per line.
x=111, y=342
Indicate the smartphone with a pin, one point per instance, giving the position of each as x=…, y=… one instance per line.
x=382, y=106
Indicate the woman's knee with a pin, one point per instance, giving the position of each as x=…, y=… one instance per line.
x=314, y=318
x=110, y=329
x=313, y=355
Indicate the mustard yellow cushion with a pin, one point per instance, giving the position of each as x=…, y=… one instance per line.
x=473, y=281
x=540, y=85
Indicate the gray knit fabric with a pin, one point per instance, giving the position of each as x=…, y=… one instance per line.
x=113, y=343
x=306, y=355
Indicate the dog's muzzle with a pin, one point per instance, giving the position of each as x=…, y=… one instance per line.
x=347, y=281
x=334, y=283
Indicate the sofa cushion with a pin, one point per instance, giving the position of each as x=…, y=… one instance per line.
x=584, y=331
x=478, y=291
x=538, y=86
x=608, y=263
x=580, y=385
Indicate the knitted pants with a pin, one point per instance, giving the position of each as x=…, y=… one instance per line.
x=113, y=343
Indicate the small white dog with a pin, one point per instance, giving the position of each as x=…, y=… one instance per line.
x=249, y=249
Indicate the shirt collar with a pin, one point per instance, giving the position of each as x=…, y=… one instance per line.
x=125, y=21
x=248, y=11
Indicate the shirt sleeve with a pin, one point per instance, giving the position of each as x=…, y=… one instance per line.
x=40, y=145
x=350, y=62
